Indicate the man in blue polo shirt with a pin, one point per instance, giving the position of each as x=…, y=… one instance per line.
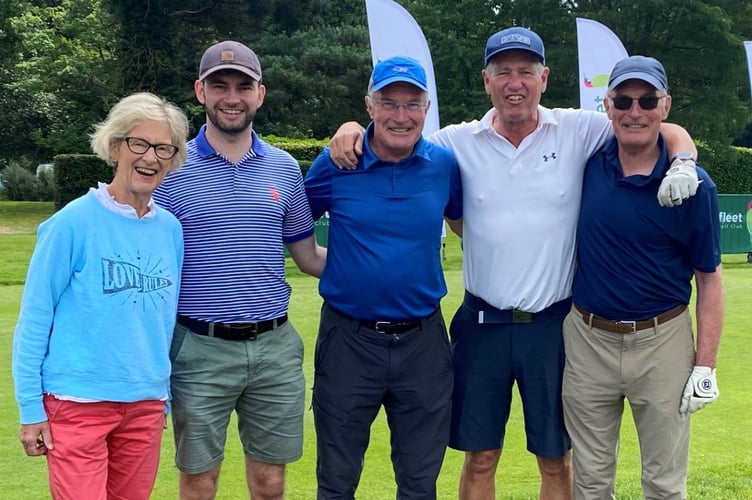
x=239, y=200
x=382, y=339
x=629, y=333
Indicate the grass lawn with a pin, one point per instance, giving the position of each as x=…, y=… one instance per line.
x=720, y=459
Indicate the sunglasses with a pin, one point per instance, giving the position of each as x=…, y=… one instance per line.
x=624, y=102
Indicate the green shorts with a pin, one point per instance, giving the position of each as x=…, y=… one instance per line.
x=262, y=380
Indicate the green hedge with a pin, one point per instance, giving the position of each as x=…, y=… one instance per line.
x=730, y=167
x=75, y=174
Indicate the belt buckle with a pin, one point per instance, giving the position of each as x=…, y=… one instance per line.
x=633, y=323
x=244, y=331
x=381, y=326
x=521, y=316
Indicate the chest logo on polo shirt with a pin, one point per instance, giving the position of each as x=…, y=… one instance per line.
x=275, y=194
x=551, y=157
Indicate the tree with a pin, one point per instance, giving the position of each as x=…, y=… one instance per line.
x=687, y=36
x=59, y=83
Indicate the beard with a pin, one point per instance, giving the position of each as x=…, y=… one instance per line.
x=235, y=128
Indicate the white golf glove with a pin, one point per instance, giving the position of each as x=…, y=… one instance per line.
x=701, y=390
x=679, y=183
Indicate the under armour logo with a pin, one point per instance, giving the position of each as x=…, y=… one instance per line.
x=552, y=156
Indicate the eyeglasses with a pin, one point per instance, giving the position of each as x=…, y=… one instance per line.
x=391, y=106
x=140, y=147
x=624, y=102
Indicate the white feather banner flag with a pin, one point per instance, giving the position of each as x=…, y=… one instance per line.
x=598, y=49
x=394, y=32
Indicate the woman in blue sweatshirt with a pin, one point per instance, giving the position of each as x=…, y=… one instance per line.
x=91, y=347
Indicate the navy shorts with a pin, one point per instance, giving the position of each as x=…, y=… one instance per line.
x=489, y=358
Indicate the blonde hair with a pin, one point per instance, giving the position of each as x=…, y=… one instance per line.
x=136, y=108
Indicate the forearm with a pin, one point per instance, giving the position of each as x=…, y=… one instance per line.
x=308, y=256
x=709, y=315
x=677, y=140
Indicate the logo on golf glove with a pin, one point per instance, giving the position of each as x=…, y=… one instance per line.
x=701, y=390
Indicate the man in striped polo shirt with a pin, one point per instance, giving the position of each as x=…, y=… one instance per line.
x=239, y=200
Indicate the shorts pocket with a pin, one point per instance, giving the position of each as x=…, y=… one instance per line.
x=178, y=339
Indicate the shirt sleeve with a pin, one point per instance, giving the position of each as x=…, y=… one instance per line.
x=595, y=129
x=453, y=209
x=318, y=184
x=704, y=239
x=49, y=273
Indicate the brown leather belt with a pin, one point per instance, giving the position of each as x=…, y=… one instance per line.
x=628, y=326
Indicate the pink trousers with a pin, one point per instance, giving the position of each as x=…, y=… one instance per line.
x=104, y=450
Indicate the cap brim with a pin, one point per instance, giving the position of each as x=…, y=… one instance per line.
x=637, y=75
x=506, y=49
x=395, y=79
x=234, y=67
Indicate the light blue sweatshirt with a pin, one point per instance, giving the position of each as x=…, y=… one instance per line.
x=98, y=308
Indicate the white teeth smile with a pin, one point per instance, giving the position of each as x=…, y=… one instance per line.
x=515, y=98
x=146, y=171
x=400, y=130
x=232, y=111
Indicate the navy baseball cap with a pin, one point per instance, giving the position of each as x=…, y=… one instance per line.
x=229, y=55
x=515, y=38
x=398, y=69
x=647, y=69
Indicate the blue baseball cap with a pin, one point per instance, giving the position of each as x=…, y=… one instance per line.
x=398, y=69
x=647, y=69
x=515, y=38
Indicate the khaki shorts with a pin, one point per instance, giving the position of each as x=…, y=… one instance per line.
x=262, y=380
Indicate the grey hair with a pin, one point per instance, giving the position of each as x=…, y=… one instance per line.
x=136, y=108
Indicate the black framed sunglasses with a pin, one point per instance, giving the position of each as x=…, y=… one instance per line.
x=624, y=102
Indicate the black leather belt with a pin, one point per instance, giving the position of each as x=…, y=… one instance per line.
x=391, y=327
x=614, y=326
x=231, y=331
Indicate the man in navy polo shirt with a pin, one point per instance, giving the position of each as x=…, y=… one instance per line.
x=629, y=333
x=382, y=339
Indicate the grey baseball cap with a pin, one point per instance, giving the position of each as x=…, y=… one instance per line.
x=229, y=55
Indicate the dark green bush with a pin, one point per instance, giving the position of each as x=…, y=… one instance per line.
x=75, y=174
x=729, y=167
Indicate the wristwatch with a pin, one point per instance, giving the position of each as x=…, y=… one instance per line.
x=683, y=156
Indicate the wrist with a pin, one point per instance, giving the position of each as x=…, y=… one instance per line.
x=684, y=157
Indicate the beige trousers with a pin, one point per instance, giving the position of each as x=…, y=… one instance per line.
x=649, y=368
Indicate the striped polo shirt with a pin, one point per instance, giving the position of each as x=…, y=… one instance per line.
x=236, y=218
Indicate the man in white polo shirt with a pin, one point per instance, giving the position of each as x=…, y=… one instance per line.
x=522, y=167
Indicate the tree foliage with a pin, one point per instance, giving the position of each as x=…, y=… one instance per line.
x=64, y=62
